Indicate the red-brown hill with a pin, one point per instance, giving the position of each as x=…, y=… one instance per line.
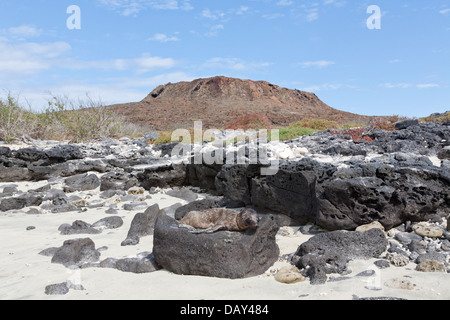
x=221, y=102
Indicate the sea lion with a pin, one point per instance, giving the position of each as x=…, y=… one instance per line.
x=215, y=219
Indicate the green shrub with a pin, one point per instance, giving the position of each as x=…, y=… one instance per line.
x=317, y=124
x=294, y=132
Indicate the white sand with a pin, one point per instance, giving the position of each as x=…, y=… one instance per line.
x=24, y=273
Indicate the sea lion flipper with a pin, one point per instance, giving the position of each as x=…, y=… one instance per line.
x=214, y=228
x=188, y=227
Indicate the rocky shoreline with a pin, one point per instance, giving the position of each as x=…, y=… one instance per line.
x=395, y=184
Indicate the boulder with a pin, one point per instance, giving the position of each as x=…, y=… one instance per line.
x=426, y=230
x=389, y=194
x=183, y=193
x=5, y=152
x=76, y=252
x=12, y=204
x=329, y=252
x=109, y=223
x=431, y=266
x=288, y=275
x=77, y=227
x=81, y=182
x=64, y=152
x=117, y=180
x=143, y=263
x=222, y=254
x=401, y=125
x=14, y=174
x=57, y=289
x=196, y=206
x=163, y=176
x=31, y=155
x=291, y=191
x=142, y=225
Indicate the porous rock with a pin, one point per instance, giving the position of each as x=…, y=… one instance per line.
x=290, y=191
x=76, y=252
x=397, y=259
x=142, y=225
x=77, y=227
x=57, y=289
x=329, y=252
x=81, y=182
x=143, y=263
x=288, y=275
x=431, y=266
x=425, y=230
x=221, y=254
x=196, y=206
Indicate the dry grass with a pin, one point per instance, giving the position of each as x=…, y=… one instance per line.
x=63, y=120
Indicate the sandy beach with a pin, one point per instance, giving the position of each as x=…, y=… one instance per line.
x=25, y=273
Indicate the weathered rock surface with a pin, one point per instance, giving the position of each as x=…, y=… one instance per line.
x=78, y=227
x=222, y=254
x=329, y=252
x=143, y=263
x=81, y=182
x=76, y=252
x=142, y=225
x=335, y=182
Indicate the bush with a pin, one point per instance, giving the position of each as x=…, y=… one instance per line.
x=352, y=125
x=317, y=124
x=439, y=117
x=357, y=134
x=63, y=120
x=293, y=132
x=14, y=120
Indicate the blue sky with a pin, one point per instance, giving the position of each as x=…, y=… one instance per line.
x=125, y=48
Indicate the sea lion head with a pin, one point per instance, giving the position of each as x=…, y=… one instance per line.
x=250, y=218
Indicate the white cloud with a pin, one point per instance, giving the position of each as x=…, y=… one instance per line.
x=207, y=13
x=24, y=59
x=272, y=16
x=335, y=3
x=214, y=30
x=445, y=11
x=139, y=65
x=404, y=85
x=427, y=85
x=285, y=3
x=312, y=15
x=317, y=64
x=326, y=86
x=133, y=7
x=234, y=64
x=23, y=31
x=108, y=91
x=242, y=10
x=396, y=85
x=161, y=37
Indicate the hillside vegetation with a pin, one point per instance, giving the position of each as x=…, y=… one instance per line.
x=86, y=120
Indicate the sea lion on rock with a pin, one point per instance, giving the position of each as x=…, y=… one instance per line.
x=215, y=219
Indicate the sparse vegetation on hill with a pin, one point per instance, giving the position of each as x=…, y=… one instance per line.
x=440, y=117
x=65, y=120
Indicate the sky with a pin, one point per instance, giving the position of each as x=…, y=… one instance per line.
x=116, y=51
